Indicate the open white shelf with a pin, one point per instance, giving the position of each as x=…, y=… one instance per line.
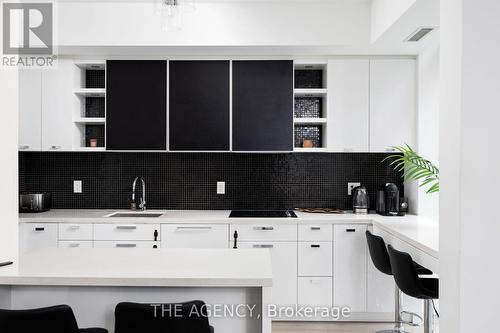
x=90, y=149
x=90, y=121
x=320, y=92
x=310, y=150
x=91, y=64
x=90, y=92
x=309, y=120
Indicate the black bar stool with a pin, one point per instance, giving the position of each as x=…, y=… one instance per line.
x=380, y=259
x=54, y=319
x=410, y=283
x=189, y=317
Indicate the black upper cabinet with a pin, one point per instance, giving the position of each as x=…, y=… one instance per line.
x=136, y=105
x=199, y=105
x=263, y=105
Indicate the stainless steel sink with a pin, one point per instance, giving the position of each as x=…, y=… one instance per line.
x=141, y=214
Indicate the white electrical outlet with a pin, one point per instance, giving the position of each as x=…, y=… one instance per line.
x=352, y=186
x=77, y=186
x=221, y=187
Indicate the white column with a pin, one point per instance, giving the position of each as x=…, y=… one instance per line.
x=8, y=165
x=470, y=165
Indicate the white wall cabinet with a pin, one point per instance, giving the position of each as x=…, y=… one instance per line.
x=348, y=105
x=30, y=110
x=392, y=103
x=58, y=103
x=194, y=235
x=350, y=266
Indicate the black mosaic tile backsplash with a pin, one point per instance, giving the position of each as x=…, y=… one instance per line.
x=188, y=180
x=308, y=107
x=310, y=78
x=94, y=107
x=95, y=78
x=308, y=132
x=94, y=132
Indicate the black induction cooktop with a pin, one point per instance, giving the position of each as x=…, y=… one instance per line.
x=263, y=213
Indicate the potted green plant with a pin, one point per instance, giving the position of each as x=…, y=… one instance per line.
x=414, y=167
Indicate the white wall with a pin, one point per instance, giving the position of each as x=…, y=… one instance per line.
x=470, y=164
x=384, y=13
x=8, y=166
x=428, y=122
x=115, y=23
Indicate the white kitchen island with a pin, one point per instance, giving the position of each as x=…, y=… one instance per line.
x=93, y=281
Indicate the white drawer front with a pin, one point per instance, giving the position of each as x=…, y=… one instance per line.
x=194, y=235
x=316, y=232
x=34, y=236
x=284, y=265
x=315, y=291
x=133, y=232
x=76, y=244
x=265, y=232
x=126, y=244
x=75, y=231
x=315, y=259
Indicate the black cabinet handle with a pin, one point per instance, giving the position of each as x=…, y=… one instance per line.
x=315, y=245
x=155, y=246
x=350, y=230
x=39, y=229
x=155, y=235
x=235, y=236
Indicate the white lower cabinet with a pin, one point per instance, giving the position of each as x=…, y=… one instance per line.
x=315, y=259
x=126, y=231
x=350, y=267
x=315, y=291
x=127, y=244
x=76, y=244
x=194, y=235
x=284, y=263
x=34, y=236
x=81, y=232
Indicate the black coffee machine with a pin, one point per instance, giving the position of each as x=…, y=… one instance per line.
x=389, y=202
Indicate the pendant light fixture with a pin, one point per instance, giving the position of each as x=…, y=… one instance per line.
x=171, y=12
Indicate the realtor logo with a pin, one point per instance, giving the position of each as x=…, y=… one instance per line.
x=27, y=28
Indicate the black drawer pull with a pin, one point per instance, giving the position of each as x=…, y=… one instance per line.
x=315, y=228
x=315, y=245
x=350, y=230
x=39, y=229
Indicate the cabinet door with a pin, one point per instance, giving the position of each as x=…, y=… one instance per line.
x=392, y=103
x=262, y=105
x=284, y=262
x=58, y=104
x=136, y=105
x=33, y=236
x=315, y=291
x=348, y=105
x=194, y=235
x=199, y=105
x=349, y=266
x=30, y=110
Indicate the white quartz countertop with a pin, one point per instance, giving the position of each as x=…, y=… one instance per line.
x=421, y=232
x=141, y=268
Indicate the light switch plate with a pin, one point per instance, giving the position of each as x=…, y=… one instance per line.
x=352, y=186
x=77, y=186
x=221, y=187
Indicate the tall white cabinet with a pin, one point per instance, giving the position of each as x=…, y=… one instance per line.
x=30, y=110
x=350, y=266
x=349, y=105
x=392, y=103
x=58, y=101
